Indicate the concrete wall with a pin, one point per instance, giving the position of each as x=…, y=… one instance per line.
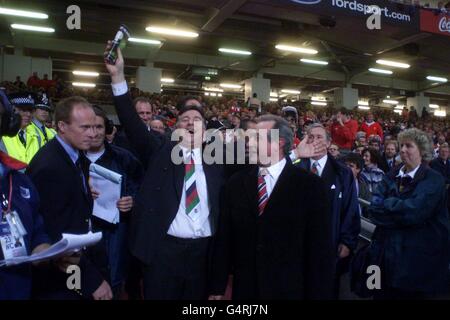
x=23, y=66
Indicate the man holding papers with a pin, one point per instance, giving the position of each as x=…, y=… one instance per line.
x=115, y=176
x=60, y=172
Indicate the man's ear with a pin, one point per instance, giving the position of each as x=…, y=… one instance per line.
x=282, y=143
x=61, y=126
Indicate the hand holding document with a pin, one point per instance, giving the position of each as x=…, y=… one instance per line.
x=109, y=184
x=69, y=244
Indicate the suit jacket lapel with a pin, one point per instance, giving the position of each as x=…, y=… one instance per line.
x=74, y=168
x=328, y=174
x=283, y=179
x=251, y=186
x=178, y=174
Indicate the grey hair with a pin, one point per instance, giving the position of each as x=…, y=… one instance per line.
x=318, y=125
x=285, y=131
x=360, y=134
x=421, y=139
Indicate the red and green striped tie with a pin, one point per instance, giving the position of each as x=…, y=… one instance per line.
x=192, y=199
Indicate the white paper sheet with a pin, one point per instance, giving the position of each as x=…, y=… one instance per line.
x=68, y=244
x=108, y=183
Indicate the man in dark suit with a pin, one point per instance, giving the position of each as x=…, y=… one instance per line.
x=144, y=109
x=177, y=208
x=388, y=158
x=341, y=190
x=274, y=233
x=59, y=171
x=341, y=196
x=442, y=165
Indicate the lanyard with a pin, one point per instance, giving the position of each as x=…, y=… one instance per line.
x=9, y=201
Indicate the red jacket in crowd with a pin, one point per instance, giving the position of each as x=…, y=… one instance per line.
x=344, y=136
x=373, y=128
x=33, y=81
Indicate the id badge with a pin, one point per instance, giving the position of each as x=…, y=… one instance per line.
x=15, y=224
x=12, y=246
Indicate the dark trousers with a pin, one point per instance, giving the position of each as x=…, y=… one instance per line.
x=179, y=271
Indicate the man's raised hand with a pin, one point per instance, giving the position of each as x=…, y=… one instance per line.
x=116, y=71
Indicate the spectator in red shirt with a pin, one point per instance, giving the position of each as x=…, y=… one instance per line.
x=46, y=83
x=33, y=81
x=371, y=127
x=343, y=131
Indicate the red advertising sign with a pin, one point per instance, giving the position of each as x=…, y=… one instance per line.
x=433, y=22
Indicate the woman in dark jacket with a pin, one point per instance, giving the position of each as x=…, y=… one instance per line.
x=411, y=239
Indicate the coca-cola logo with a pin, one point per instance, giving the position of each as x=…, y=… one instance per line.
x=444, y=25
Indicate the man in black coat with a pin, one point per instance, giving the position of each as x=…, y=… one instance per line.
x=342, y=199
x=59, y=171
x=177, y=208
x=116, y=235
x=144, y=109
x=442, y=165
x=274, y=233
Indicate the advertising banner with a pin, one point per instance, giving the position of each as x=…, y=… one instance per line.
x=433, y=22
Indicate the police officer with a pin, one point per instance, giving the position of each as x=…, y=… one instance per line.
x=21, y=226
x=27, y=142
x=40, y=116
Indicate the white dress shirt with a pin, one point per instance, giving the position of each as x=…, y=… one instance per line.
x=119, y=89
x=196, y=224
x=320, y=164
x=412, y=173
x=274, y=172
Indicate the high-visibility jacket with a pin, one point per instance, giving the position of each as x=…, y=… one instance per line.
x=17, y=150
x=50, y=133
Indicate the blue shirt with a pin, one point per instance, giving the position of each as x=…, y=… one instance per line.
x=71, y=151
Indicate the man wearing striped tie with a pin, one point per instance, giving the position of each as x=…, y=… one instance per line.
x=274, y=231
x=177, y=209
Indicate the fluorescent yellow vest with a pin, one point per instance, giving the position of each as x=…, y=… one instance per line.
x=16, y=149
x=50, y=133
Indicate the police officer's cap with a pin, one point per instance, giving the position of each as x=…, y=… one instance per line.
x=22, y=99
x=43, y=102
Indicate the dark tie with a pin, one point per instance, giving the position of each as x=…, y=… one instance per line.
x=22, y=138
x=44, y=133
x=404, y=182
x=263, y=196
x=80, y=167
x=314, y=168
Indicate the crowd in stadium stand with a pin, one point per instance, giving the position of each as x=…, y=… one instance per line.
x=361, y=162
